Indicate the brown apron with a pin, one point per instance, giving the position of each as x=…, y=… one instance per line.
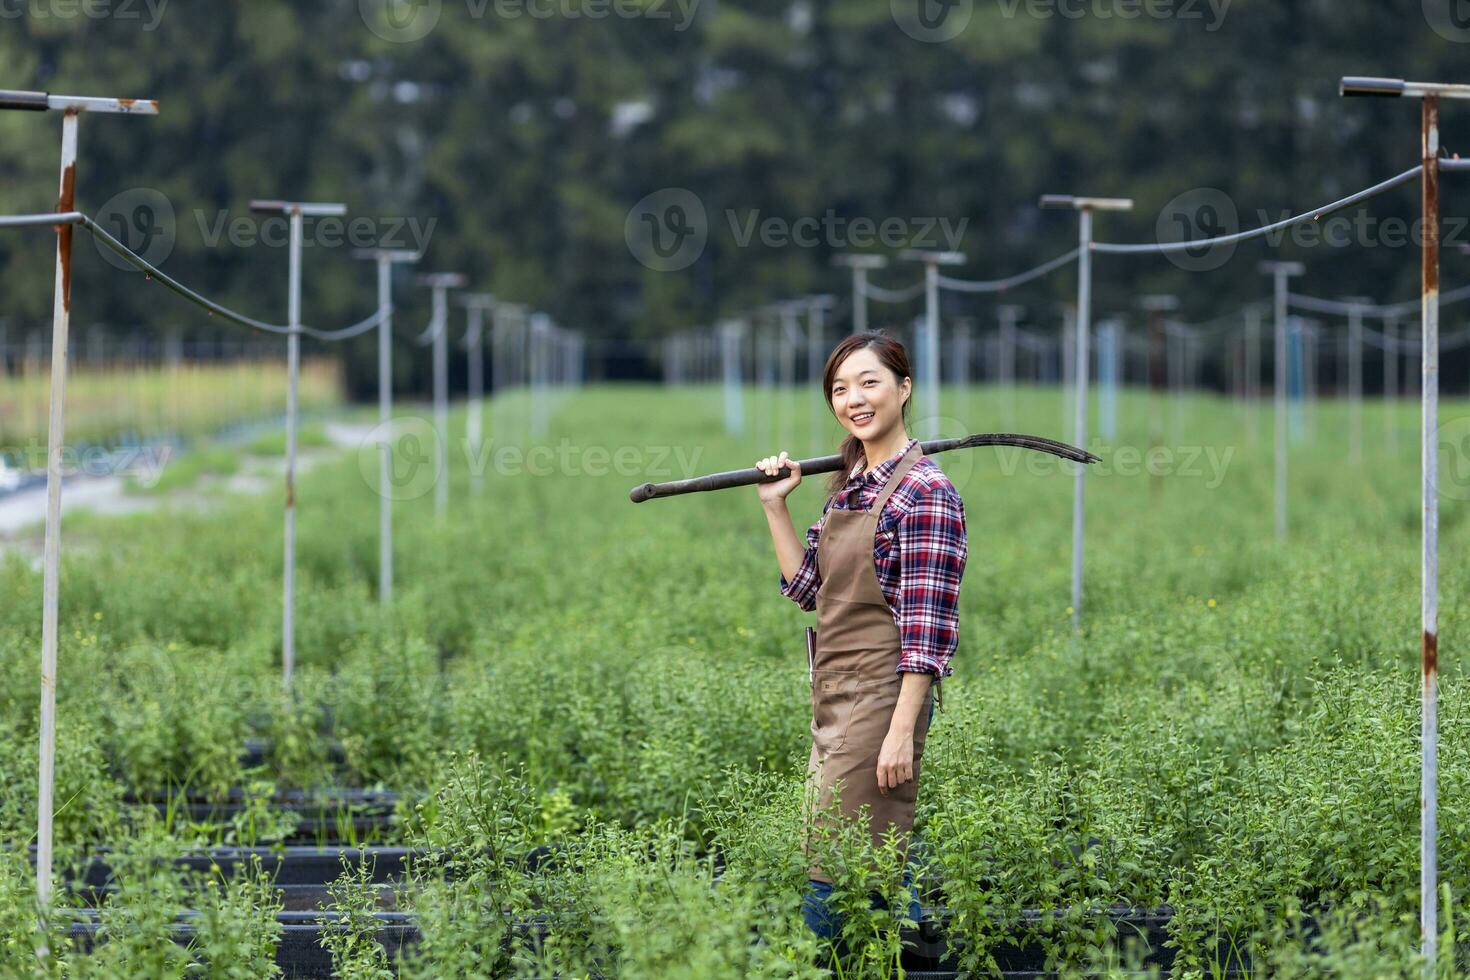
x=855, y=683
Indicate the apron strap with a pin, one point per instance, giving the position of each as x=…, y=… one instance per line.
x=909, y=459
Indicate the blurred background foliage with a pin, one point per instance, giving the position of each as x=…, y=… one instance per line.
x=527, y=139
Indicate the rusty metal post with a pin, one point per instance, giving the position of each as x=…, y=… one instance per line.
x=71, y=108
x=1430, y=164
x=1429, y=537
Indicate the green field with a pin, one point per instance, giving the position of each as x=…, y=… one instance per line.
x=1235, y=734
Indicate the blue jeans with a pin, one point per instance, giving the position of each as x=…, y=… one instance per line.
x=818, y=914
x=826, y=923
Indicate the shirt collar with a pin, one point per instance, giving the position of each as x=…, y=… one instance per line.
x=882, y=471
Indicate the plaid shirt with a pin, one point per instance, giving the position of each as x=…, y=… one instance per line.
x=924, y=521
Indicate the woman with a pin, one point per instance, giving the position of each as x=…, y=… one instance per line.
x=882, y=569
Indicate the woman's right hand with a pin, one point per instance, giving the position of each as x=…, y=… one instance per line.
x=778, y=489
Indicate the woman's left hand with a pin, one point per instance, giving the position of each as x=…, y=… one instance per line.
x=895, y=760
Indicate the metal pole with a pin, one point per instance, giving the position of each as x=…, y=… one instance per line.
x=295, y=213
x=963, y=352
x=1156, y=306
x=384, y=260
x=540, y=326
x=1391, y=384
x=816, y=353
x=1084, y=319
x=1082, y=327
x=1309, y=377
x=931, y=348
x=385, y=444
x=860, y=263
x=476, y=304
x=1253, y=368
x=441, y=399
x=440, y=283
x=1107, y=376
x=930, y=360
x=1296, y=376
x=1429, y=738
x=788, y=337
x=1069, y=360
x=50, y=600
x=731, y=332
x=1429, y=368
x=293, y=369
x=1009, y=315
x=1280, y=273
x=1355, y=381
x=71, y=108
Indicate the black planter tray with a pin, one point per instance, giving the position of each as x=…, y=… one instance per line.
x=300, y=952
x=304, y=799
x=288, y=865
x=257, y=751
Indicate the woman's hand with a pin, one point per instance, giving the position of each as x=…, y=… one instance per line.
x=771, y=465
x=895, y=759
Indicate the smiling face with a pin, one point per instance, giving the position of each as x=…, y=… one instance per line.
x=866, y=397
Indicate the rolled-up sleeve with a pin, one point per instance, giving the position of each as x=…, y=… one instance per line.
x=802, y=589
x=932, y=552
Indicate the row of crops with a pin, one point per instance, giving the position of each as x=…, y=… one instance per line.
x=109, y=403
x=574, y=744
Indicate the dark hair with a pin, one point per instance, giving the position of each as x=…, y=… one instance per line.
x=893, y=356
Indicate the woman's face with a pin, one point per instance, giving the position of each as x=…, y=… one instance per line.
x=865, y=397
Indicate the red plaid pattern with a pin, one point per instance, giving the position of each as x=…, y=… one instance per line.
x=919, y=555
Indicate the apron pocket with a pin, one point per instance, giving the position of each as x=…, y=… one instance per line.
x=834, y=695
